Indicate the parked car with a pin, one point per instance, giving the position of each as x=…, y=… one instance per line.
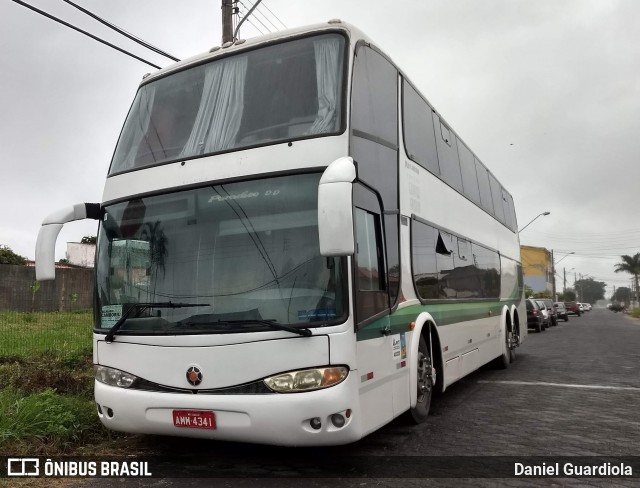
x=546, y=319
x=587, y=307
x=573, y=308
x=561, y=311
x=553, y=315
x=534, y=316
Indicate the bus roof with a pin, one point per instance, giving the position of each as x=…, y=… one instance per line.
x=242, y=44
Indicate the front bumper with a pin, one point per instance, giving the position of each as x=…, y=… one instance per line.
x=280, y=419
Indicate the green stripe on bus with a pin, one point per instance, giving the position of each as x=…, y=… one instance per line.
x=443, y=313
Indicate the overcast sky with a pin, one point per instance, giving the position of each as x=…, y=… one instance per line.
x=546, y=93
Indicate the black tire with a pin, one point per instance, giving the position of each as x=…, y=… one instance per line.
x=425, y=383
x=509, y=354
x=539, y=327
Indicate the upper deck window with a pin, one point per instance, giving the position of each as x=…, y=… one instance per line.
x=276, y=93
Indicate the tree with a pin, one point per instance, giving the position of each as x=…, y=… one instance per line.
x=622, y=295
x=528, y=291
x=590, y=290
x=7, y=256
x=568, y=296
x=631, y=265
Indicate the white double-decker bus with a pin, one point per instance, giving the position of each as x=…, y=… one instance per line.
x=294, y=248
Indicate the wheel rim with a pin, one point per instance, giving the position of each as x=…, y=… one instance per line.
x=426, y=377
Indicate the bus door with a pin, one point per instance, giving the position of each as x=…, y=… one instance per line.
x=374, y=339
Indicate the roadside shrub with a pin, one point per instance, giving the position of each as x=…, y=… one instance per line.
x=46, y=416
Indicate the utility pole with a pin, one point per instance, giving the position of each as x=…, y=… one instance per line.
x=553, y=278
x=564, y=286
x=227, y=21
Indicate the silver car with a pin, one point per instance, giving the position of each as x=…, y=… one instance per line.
x=545, y=313
x=561, y=311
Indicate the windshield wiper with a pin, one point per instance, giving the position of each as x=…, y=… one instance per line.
x=271, y=323
x=141, y=307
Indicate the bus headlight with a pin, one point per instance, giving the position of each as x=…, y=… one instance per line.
x=113, y=377
x=306, y=380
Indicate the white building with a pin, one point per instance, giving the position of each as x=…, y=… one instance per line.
x=79, y=254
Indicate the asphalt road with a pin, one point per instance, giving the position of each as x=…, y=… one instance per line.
x=574, y=390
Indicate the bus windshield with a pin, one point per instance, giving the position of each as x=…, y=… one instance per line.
x=276, y=93
x=237, y=253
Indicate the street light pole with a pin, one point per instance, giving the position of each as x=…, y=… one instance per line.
x=539, y=215
x=553, y=274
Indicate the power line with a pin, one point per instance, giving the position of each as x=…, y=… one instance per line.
x=254, y=16
x=235, y=33
x=255, y=27
x=277, y=18
x=96, y=38
x=266, y=18
x=121, y=31
x=260, y=17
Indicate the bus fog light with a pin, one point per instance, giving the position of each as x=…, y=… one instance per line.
x=316, y=423
x=338, y=420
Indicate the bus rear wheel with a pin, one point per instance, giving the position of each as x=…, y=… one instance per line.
x=426, y=379
x=509, y=354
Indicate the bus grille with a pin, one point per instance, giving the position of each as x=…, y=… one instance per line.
x=254, y=388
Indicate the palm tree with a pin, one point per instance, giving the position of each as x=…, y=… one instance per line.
x=631, y=265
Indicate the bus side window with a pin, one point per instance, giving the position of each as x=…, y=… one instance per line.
x=496, y=195
x=448, y=161
x=424, y=240
x=485, y=188
x=370, y=270
x=419, y=136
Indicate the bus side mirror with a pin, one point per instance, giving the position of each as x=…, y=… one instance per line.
x=335, y=208
x=51, y=226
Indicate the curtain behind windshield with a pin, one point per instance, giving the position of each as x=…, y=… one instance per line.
x=275, y=93
x=327, y=53
x=220, y=113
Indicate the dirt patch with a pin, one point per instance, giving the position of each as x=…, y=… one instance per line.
x=45, y=371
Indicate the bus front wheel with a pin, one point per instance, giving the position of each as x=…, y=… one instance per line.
x=426, y=379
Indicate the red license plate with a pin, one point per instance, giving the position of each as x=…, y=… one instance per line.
x=194, y=419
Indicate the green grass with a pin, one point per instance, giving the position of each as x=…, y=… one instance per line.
x=46, y=384
x=635, y=313
x=46, y=406
x=64, y=334
x=45, y=419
